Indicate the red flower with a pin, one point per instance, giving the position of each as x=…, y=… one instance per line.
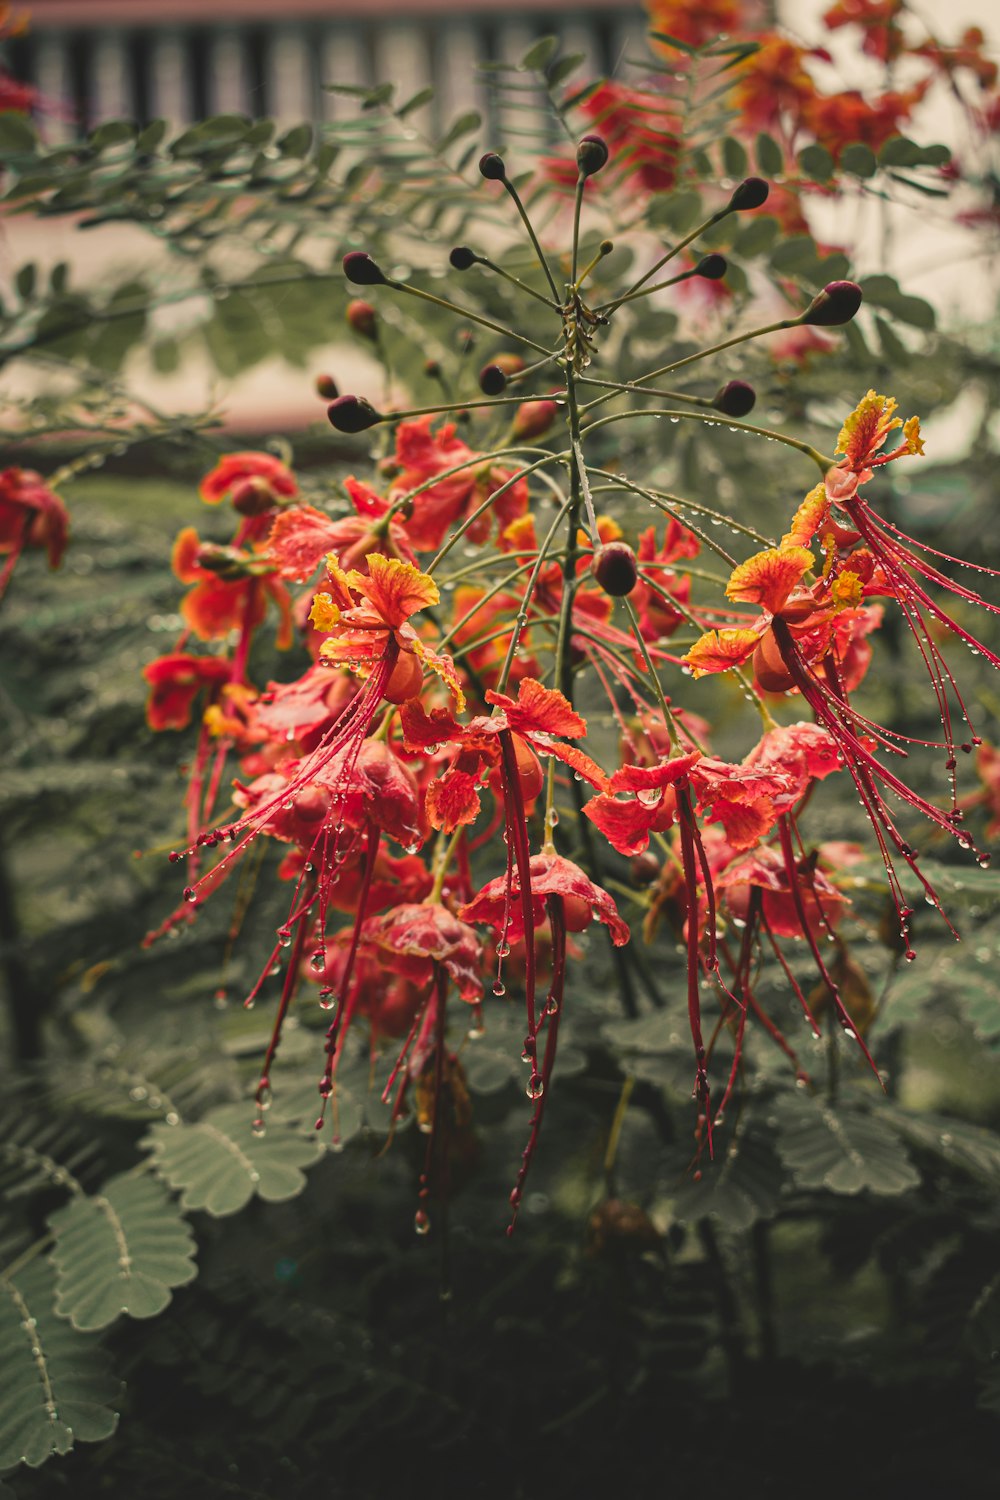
x=837, y=120
x=175, y=682
x=412, y=940
x=551, y=875
x=31, y=515
x=236, y=468
x=883, y=38
x=707, y=21
x=533, y=719
x=420, y=455
x=649, y=804
x=765, y=870
x=774, y=87
x=302, y=537
x=218, y=604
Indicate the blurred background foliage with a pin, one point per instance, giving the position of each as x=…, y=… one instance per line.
x=822, y=1305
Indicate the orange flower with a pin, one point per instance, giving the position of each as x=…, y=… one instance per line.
x=367, y=612
x=697, y=24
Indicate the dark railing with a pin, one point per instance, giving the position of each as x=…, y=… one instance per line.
x=185, y=70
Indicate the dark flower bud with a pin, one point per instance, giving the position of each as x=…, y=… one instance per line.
x=361, y=317
x=751, y=193
x=432, y=368
x=492, y=168
x=352, y=414
x=491, y=380
x=327, y=387
x=254, y=497
x=465, y=339
x=835, y=304
x=591, y=155
x=362, y=270
x=644, y=869
x=228, y=563
x=615, y=568
x=735, y=398
x=712, y=267
x=462, y=258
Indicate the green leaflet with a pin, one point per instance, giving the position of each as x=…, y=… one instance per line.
x=120, y=1251
x=57, y=1387
x=740, y=1187
x=219, y=1164
x=845, y=1149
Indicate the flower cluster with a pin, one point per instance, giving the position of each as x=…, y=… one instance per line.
x=449, y=820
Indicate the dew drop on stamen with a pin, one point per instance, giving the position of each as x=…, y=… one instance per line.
x=421, y=1222
x=536, y=1088
x=499, y=988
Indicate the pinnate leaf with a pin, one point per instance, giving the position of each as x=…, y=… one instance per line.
x=120, y=1251
x=57, y=1386
x=846, y=1149
x=218, y=1164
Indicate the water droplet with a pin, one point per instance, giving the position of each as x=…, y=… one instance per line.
x=284, y=937
x=318, y=962
x=535, y=1088
x=421, y=1222
x=499, y=988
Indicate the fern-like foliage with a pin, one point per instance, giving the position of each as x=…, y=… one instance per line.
x=218, y=1166
x=120, y=1251
x=846, y=1150
x=57, y=1387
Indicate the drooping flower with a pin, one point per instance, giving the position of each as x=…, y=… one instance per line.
x=175, y=681
x=411, y=939
x=31, y=515
x=551, y=875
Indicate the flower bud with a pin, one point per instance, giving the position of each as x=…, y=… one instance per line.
x=712, y=267
x=533, y=419
x=253, y=497
x=751, y=193
x=591, y=155
x=735, y=398
x=361, y=317
x=465, y=339
x=432, y=368
x=615, y=568
x=510, y=364
x=461, y=258
x=362, y=270
x=835, y=304
x=228, y=563
x=492, y=168
x=327, y=387
x=491, y=380
x=644, y=869
x=352, y=414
